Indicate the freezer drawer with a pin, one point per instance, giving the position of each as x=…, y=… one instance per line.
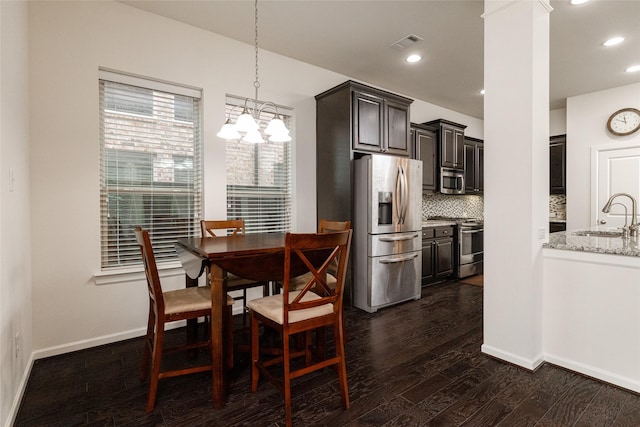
x=394, y=243
x=390, y=279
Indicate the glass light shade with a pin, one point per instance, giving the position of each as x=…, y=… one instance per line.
x=276, y=127
x=253, y=136
x=245, y=122
x=228, y=132
x=280, y=137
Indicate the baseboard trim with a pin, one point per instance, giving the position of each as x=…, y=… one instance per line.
x=530, y=364
x=597, y=373
x=22, y=387
x=91, y=342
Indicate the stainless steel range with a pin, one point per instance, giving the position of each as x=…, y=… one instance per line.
x=469, y=246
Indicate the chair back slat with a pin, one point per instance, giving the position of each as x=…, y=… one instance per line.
x=230, y=227
x=329, y=226
x=317, y=251
x=150, y=268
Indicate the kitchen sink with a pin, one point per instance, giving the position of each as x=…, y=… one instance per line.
x=598, y=233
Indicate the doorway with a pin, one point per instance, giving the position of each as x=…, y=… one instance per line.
x=615, y=168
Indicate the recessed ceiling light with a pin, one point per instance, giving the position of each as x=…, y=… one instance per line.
x=633, y=69
x=413, y=58
x=481, y=91
x=578, y=1
x=613, y=41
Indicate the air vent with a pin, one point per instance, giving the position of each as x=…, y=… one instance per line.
x=407, y=41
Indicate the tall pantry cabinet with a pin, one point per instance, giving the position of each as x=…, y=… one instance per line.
x=352, y=120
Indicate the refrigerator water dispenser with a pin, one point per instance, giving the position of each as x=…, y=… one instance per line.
x=385, y=206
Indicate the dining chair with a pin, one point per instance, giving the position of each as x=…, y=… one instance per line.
x=313, y=307
x=232, y=227
x=325, y=226
x=171, y=306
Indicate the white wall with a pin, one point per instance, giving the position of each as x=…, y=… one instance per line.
x=15, y=276
x=558, y=122
x=587, y=117
x=69, y=42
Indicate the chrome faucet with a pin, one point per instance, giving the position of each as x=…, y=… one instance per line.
x=633, y=228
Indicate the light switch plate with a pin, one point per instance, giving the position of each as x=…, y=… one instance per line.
x=542, y=232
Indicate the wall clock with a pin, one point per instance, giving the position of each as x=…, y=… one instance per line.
x=624, y=122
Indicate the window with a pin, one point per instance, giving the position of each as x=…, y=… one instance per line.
x=259, y=178
x=150, y=166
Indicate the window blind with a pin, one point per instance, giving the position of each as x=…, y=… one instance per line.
x=259, y=177
x=150, y=166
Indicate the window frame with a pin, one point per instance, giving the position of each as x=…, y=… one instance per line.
x=193, y=188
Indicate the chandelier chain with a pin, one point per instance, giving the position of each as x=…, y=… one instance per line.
x=256, y=83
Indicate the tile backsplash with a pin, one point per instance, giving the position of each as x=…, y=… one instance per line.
x=472, y=206
x=557, y=206
x=466, y=206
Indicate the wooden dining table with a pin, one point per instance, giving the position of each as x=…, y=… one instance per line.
x=259, y=257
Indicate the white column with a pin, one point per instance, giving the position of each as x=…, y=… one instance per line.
x=516, y=197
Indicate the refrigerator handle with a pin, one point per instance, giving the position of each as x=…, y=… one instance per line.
x=398, y=195
x=405, y=195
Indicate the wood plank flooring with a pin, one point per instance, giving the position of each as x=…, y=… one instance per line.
x=414, y=364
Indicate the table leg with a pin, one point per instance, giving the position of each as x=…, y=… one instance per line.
x=218, y=305
x=192, y=324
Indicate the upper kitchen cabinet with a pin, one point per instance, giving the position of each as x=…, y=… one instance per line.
x=451, y=142
x=558, y=164
x=425, y=149
x=473, y=166
x=377, y=121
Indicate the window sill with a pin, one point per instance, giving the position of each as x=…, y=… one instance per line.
x=135, y=273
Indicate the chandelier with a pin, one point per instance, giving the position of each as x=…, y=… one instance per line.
x=247, y=127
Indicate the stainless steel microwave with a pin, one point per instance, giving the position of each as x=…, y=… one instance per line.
x=451, y=181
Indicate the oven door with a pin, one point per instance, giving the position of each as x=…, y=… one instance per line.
x=471, y=244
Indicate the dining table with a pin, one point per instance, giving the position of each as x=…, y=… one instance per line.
x=258, y=256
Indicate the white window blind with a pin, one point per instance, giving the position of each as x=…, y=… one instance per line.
x=150, y=166
x=259, y=177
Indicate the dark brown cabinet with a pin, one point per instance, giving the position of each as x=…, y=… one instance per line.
x=558, y=164
x=473, y=166
x=425, y=149
x=437, y=254
x=380, y=123
x=451, y=143
x=353, y=120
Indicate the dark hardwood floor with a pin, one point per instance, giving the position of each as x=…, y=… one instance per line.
x=414, y=364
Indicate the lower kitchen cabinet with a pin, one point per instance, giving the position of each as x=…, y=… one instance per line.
x=437, y=254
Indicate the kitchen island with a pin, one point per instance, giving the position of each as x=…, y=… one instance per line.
x=591, y=306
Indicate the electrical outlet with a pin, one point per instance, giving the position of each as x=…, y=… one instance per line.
x=542, y=232
x=16, y=344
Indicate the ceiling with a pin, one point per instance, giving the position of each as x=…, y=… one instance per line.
x=354, y=38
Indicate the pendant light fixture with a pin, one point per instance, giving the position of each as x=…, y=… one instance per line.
x=247, y=127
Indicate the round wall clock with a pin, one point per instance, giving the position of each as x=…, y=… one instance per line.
x=624, y=122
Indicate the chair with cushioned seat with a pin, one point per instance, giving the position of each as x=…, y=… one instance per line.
x=232, y=227
x=313, y=307
x=325, y=226
x=171, y=306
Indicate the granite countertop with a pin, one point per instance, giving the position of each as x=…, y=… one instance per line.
x=437, y=222
x=567, y=240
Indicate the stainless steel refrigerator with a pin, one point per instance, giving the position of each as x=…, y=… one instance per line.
x=387, y=231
